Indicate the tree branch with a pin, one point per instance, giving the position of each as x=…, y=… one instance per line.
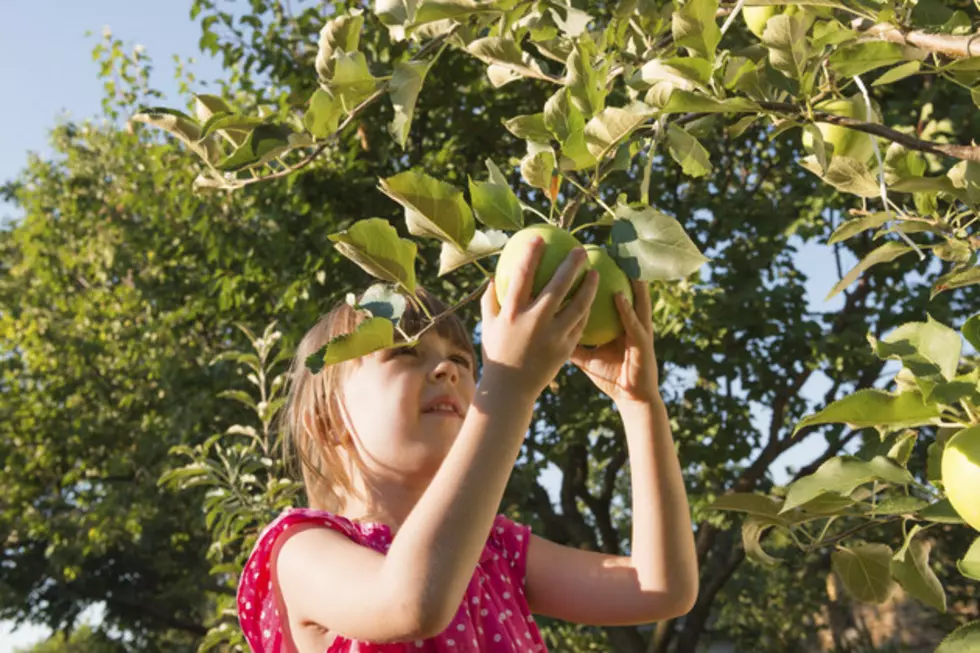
x=959, y=47
x=965, y=152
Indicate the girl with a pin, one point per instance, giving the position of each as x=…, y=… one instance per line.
x=406, y=455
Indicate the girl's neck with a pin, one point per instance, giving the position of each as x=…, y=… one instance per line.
x=388, y=504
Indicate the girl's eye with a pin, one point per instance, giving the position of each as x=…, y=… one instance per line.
x=462, y=360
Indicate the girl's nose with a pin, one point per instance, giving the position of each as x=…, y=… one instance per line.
x=445, y=369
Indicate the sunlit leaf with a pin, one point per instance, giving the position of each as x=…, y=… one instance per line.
x=607, y=128
x=694, y=27
x=340, y=34
x=482, y=245
x=884, y=254
x=375, y=246
x=496, y=205
x=433, y=208
x=262, y=144
x=650, y=245
x=404, y=87
x=842, y=475
x=870, y=407
x=688, y=152
x=969, y=565
x=322, y=117
x=371, y=335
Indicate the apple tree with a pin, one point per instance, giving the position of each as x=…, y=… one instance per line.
x=628, y=88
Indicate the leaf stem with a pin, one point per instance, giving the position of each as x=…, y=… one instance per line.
x=452, y=309
x=587, y=224
x=590, y=195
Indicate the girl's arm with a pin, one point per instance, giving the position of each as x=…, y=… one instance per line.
x=659, y=580
x=416, y=589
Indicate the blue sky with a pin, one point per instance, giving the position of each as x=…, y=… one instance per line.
x=49, y=73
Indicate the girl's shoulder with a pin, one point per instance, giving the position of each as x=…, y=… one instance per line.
x=505, y=552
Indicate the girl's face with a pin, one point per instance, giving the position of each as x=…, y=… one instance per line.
x=389, y=399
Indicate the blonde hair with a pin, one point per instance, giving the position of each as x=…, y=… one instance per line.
x=311, y=422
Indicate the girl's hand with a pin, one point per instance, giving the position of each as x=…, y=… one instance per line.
x=626, y=368
x=528, y=340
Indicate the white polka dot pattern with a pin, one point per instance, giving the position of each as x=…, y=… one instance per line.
x=502, y=623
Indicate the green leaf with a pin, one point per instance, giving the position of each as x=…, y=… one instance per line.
x=340, y=34
x=230, y=122
x=857, y=225
x=694, y=28
x=845, y=174
x=404, y=87
x=940, y=512
x=178, y=124
x=789, y=52
x=748, y=502
x=900, y=505
x=395, y=15
x=585, y=80
x=870, y=407
x=433, y=208
x=842, y=475
x=687, y=151
x=682, y=101
x=971, y=331
x=883, y=254
x=859, y=58
x=901, y=449
x=433, y=10
x=607, y=128
x=752, y=531
x=575, y=22
x=898, y=73
x=538, y=166
x=917, y=578
x=262, y=144
x=375, y=246
x=371, y=335
x=529, y=127
x=482, y=244
x=899, y=555
x=322, y=117
x=561, y=117
x=239, y=396
x=496, y=205
x=206, y=105
x=969, y=566
x=865, y=571
x=352, y=81
x=688, y=74
x=965, y=639
x=650, y=245
x=956, y=279
x=504, y=53
x=925, y=348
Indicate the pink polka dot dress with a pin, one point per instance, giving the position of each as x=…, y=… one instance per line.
x=493, y=617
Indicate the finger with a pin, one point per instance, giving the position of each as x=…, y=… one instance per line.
x=631, y=323
x=555, y=292
x=488, y=303
x=578, y=308
x=522, y=283
x=642, y=303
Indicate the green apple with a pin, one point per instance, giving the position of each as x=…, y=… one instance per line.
x=961, y=474
x=847, y=142
x=757, y=17
x=604, y=324
x=558, y=244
